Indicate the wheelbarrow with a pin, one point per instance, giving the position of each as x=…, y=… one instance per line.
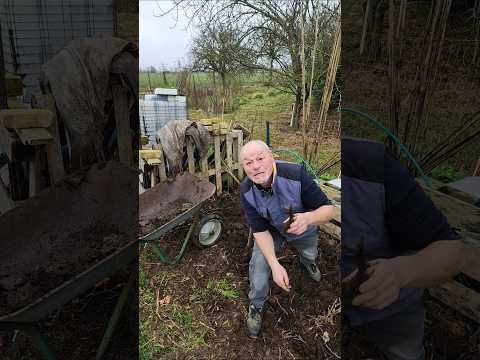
x=170, y=204
x=72, y=242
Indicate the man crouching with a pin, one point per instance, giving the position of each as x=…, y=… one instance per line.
x=281, y=203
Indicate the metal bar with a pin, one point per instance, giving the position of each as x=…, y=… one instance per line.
x=164, y=257
x=33, y=331
x=74, y=287
x=41, y=343
x=156, y=234
x=112, y=324
x=3, y=85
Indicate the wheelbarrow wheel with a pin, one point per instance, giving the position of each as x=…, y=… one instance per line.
x=208, y=231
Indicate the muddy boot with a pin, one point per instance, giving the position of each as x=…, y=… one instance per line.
x=313, y=271
x=254, y=321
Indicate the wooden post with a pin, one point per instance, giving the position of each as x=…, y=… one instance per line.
x=53, y=148
x=236, y=163
x=5, y=202
x=153, y=176
x=218, y=165
x=3, y=86
x=161, y=167
x=240, y=144
x=34, y=171
x=205, y=167
x=190, y=156
x=229, y=161
x=477, y=168
x=122, y=119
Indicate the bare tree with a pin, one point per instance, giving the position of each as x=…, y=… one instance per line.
x=271, y=30
x=218, y=48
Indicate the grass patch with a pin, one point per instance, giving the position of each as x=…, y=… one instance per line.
x=169, y=329
x=215, y=290
x=447, y=173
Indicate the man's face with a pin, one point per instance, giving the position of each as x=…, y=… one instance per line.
x=258, y=164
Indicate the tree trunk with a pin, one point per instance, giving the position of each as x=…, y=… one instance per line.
x=297, y=109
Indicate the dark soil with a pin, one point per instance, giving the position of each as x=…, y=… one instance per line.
x=165, y=201
x=63, y=231
x=293, y=324
x=448, y=336
x=75, y=331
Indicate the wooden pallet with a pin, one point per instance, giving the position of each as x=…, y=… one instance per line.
x=226, y=164
x=465, y=218
x=333, y=227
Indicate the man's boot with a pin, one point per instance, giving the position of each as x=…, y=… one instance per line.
x=313, y=271
x=254, y=321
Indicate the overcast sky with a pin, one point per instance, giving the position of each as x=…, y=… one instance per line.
x=163, y=40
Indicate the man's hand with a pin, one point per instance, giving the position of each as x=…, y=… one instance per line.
x=280, y=276
x=383, y=286
x=299, y=224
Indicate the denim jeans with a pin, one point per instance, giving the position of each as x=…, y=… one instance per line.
x=260, y=272
x=400, y=336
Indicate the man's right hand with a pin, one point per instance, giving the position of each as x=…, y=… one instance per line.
x=280, y=276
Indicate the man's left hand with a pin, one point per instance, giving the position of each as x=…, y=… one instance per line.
x=299, y=224
x=383, y=286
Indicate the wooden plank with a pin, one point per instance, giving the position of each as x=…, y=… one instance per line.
x=34, y=136
x=472, y=267
x=190, y=157
x=229, y=143
x=331, y=193
x=332, y=229
x=466, y=218
x=122, y=119
x=239, y=147
x=147, y=154
x=460, y=298
x=460, y=214
x=476, y=172
x=56, y=166
x=218, y=165
x=153, y=162
x=458, y=194
x=26, y=118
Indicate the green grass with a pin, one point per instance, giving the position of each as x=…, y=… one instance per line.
x=215, y=291
x=447, y=173
x=157, y=79
x=177, y=330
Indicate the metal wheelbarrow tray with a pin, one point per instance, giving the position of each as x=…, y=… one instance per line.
x=169, y=204
x=60, y=243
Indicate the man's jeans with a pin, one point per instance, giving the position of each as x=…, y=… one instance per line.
x=260, y=272
x=399, y=337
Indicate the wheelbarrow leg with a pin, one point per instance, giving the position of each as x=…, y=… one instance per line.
x=34, y=333
x=115, y=317
x=164, y=258
x=41, y=343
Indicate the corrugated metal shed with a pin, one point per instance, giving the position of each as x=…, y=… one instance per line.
x=157, y=110
x=33, y=31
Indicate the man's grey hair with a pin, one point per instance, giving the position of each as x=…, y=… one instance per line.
x=251, y=143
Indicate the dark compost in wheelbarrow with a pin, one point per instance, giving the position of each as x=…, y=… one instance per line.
x=64, y=230
x=164, y=202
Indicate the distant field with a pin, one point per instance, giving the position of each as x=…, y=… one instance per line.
x=169, y=80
